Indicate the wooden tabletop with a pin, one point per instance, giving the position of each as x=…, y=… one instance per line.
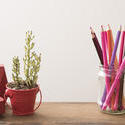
x=64, y=114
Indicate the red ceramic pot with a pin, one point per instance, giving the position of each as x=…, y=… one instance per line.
x=23, y=101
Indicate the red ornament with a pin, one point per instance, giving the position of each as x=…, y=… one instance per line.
x=3, y=82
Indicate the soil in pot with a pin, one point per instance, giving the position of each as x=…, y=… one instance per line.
x=23, y=85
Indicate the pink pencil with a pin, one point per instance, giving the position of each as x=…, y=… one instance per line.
x=121, y=48
x=120, y=92
x=103, y=39
x=106, y=40
x=114, y=85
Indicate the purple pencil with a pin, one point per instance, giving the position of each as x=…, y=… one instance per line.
x=115, y=48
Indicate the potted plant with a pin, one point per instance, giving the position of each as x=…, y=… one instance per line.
x=22, y=91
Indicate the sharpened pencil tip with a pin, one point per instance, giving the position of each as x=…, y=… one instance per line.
x=92, y=31
x=124, y=28
x=109, y=27
x=102, y=28
x=91, y=28
x=120, y=27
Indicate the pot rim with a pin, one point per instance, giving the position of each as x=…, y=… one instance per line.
x=22, y=89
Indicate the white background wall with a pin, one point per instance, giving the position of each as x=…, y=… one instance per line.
x=69, y=62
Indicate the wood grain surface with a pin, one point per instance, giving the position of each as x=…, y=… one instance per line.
x=64, y=114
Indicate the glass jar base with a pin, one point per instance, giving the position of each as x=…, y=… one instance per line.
x=113, y=112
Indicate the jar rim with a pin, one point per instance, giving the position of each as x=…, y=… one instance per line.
x=107, y=68
x=107, y=71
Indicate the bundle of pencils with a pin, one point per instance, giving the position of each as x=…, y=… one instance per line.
x=107, y=52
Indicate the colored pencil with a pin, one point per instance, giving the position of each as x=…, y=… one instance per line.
x=115, y=49
x=103, y=39
x=110, y=49
x=112, y=63
x=97, y=45
x=111, y=45
x=120, y=86
x=121, y=48
x=122, y=77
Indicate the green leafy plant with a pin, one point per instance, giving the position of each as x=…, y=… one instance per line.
x=16, y=70
x=31, y=61
x=31, y=64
